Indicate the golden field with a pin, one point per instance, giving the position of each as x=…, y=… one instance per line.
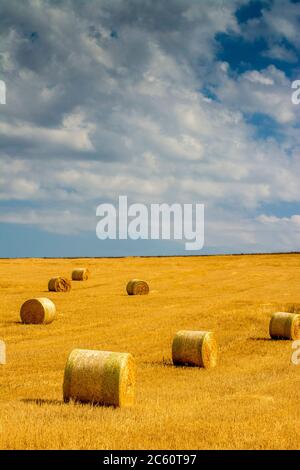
x=251, y=400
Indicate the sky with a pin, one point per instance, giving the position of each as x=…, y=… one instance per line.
x=184, y=101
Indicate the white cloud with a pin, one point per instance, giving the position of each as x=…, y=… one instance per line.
x=66, y=137
x=279, y=21
x=64, y=222
x=257, y=77
x=92, y=116
x=267, y=92
x=281, y=53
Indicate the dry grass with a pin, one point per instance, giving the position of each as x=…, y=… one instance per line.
x=250, y=400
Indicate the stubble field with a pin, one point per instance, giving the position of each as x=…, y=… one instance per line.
x=251, y=400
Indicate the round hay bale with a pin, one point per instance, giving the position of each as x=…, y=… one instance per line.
x=195, y=348
x=137, y=287
x=284, y=325
x=80, y=274
x=59, y=284
x=37, y=311
x=100, y=377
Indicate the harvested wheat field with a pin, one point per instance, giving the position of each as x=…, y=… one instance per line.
x=250, y=400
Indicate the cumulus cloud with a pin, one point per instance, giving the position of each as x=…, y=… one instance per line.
x=266, y=91
x=108, y=98
x=281, y=53
x=279, y=21
x=283, y=231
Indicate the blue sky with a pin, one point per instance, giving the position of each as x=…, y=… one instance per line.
x=182, y=101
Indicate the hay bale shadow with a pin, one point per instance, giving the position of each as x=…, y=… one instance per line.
x=11, y=322
x=42, y=401
x=257, y=338
x=268, y=339
x=163, y=363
